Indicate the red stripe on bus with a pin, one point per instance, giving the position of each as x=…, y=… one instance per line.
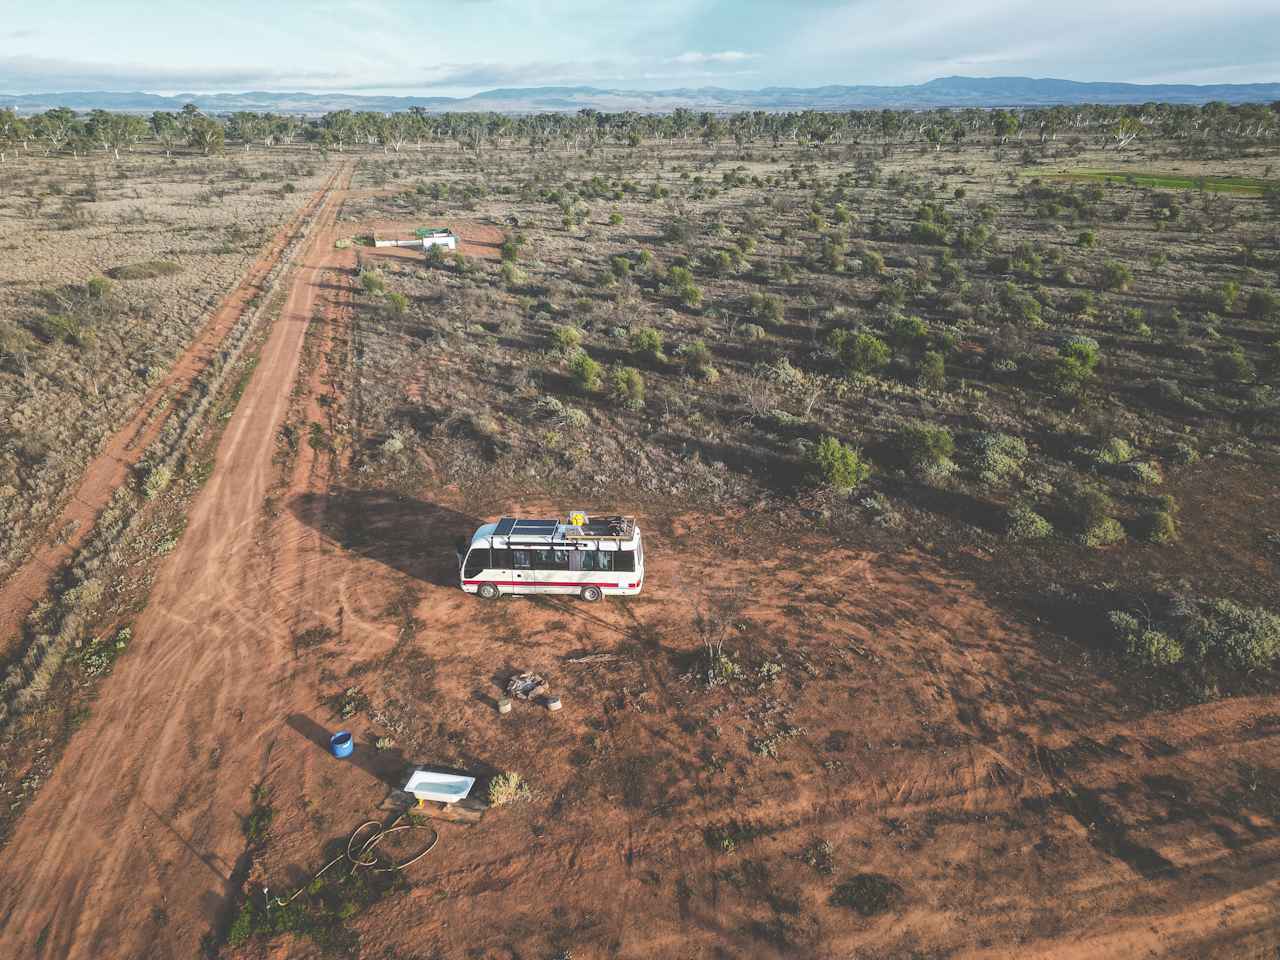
x=548, y=583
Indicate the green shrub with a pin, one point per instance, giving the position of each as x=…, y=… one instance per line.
x=1090, y=507
x=397, y=303
x=1115, y=276
x=1233, y=366
x=860, y=352
x=1146, y=646
x=1106, y=531
x=372, y=282
x=1020, y=306
x=697, y=359
x=1147, y=473
x=925, y=445
x=1087, y=238
x=752, y=332
x=626, y=386
x=566, y=339
x=999, y=457
x=1088, y=504
x=1263, y=306
x=1220, y=299
x=681, y=286
x=1074, y=365
x=1246, y=637
x=766, y=307
x=1115, y=450
x=932, y=372
x=647, y=342
x=1025, y=525
x=1068, y=376
x=907, y=331
x=927, y=232
x=615, y=219
x=511, y=274
x=1159, y=526
x=587, y=374
x=98, y=288
x=1084, y=350
x=839, y=466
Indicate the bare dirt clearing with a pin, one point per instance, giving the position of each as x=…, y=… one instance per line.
x=474, y=239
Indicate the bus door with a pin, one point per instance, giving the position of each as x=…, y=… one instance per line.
x=521, y=571
x=499, y=569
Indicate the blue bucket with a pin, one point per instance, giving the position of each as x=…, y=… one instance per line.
x=341, y=744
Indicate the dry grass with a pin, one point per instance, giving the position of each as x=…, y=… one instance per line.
x=176, y=235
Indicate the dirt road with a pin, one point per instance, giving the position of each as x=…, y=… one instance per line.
x=110, y=468
x=130, y=847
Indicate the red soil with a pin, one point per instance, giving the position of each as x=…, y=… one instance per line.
x=474, y=239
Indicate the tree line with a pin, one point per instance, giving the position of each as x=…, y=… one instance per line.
x=61, y=130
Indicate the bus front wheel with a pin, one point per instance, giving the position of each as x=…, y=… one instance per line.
x=488, y=591
x=591, y=594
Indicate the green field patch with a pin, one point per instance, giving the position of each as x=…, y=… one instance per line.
x=1247, y=186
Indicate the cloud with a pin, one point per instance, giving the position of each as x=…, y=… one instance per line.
x=19, y=74
x=25, y=74
x=20, y=34
x=725, y=56
x=538, y=73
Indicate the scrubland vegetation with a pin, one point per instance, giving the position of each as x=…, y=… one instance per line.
x=944, y=340
x=109, y=267
x=979, y=409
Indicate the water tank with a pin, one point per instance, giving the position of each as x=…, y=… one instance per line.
x=341, y=744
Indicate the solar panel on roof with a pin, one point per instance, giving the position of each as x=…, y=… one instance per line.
x=536, y=527
x=504, y=526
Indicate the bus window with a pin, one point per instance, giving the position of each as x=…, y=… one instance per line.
x=477, y=563
x=599, y=561
x=520, y=560
x=550, y=559
x=501, y=560
x=626, y=562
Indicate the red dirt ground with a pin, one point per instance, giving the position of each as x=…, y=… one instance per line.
x=996, y=778
x=475, y=239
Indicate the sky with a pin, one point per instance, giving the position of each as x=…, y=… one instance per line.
x=460, y=47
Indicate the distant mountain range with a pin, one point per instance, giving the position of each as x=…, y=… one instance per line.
x=943, y=92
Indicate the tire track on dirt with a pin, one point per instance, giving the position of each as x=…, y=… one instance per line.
x=206, y=678
x=109, y=470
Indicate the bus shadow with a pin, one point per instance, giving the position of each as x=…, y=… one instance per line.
x=409, y=535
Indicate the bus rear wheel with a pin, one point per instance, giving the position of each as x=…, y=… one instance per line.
x=591, y=594
x=488, y=591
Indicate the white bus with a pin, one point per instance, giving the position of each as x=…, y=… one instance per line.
x=588, y=556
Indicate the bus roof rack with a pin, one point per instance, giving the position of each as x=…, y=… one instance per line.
x=602, y=528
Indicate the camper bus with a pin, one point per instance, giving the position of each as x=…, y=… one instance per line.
x=588, y=556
